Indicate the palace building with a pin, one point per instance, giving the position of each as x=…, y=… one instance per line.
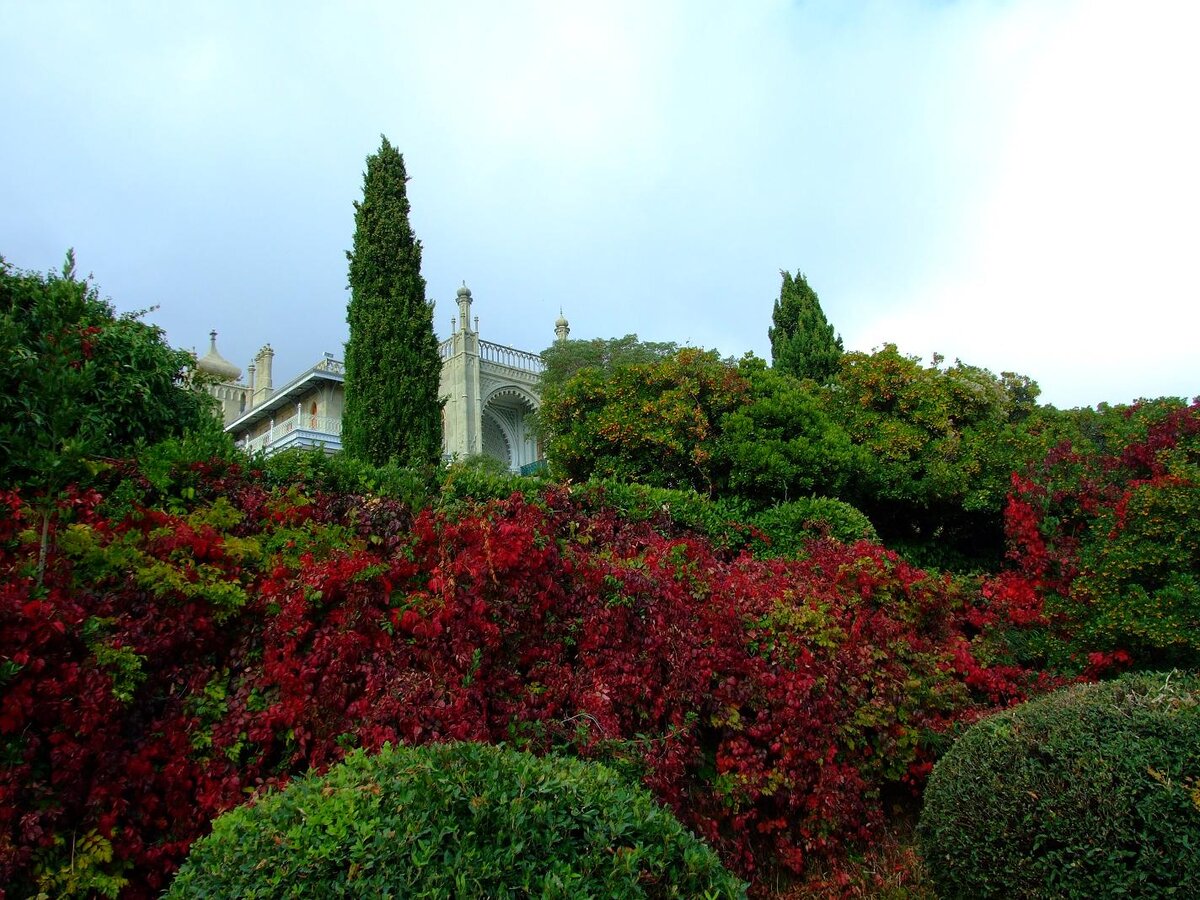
x=490, y=393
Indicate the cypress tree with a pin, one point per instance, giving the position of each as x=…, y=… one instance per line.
x=393, y=370
x=802, y=340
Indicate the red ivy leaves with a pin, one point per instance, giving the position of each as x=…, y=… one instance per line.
x=768, y=703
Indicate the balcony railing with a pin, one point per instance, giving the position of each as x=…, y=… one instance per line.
x=329, y=364
x=521, y=360
x=304, y=429
x=499, y=355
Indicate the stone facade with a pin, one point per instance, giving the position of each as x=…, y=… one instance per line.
x=490, y=391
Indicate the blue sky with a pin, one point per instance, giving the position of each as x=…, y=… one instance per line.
x=1010, y=183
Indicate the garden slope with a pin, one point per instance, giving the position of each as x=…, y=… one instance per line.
x=193, y=644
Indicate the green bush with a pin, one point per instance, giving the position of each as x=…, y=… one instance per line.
x=680, y=508
x=454, y=820
x=482, y=478
x=1093, y=791
x=312, y=469
x=788, y=526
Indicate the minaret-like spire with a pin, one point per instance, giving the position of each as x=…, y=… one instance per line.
x=464, y=307
x=561, y=327
x=214, y=363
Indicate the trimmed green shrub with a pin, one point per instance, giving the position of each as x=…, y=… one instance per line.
x=788, y=526
x=669, y=509
x=454, y=820
x=482, y=478
x=312, y=469
x=1093, y=791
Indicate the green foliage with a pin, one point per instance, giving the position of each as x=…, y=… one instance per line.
x=180, y=577
x=656, y=422
x=82, y=384
x=1104, y=430
x=670, y=509
x=564, y=358
x=82, y=381
x=1104, y=530
x=938, y=448
x=1093, y=791
x=314, y=470
x=454, y=820
x=85, y=868
x=1138, y=587
x=393, y=371
x=780, y=531
x=481, y=478
x=789, y=526
x=782, y=444
x=802, y=340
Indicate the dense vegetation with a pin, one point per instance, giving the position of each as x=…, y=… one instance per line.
x=772, y=602
x=210, y=634
x=1093, y=791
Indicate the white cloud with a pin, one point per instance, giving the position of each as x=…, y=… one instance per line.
x=1012, y=183
x=1078, y=267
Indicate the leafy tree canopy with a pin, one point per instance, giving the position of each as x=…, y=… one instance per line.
x=1102, y=529
x=781, y=444
x=940, y=445
x=393, y=371
x=82, y=381
x=803, y=343
x=564, y=358
x=654, y=422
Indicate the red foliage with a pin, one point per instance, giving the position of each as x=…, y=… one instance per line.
x=1099, y=543
x=768, y=703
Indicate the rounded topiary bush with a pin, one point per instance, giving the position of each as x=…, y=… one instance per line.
x=789, y=526
x=1093, y=791
x=454, y=820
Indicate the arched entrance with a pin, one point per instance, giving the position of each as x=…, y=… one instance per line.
x=508, y=433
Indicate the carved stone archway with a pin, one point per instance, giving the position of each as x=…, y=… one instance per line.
x=508, y=433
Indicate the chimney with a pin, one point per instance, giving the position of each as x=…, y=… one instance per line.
x=262, y=364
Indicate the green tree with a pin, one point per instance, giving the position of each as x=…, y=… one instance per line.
x=656, y=423
x=803, y=343
x=782, y=445
x=1103, y=530
x=393, y=411
x=82, y=384
x=564, y=358
x=939, y=449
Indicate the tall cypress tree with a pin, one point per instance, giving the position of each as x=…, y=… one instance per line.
x=392, y=409
x=802, y=340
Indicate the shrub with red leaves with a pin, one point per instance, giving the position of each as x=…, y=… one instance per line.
x=1104, y=549
x=183, y=654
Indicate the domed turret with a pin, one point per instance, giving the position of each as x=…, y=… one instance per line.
x=213, y=363
x=561, y=327
x=464, y=308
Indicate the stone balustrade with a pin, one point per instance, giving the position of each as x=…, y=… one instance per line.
x=304, y=428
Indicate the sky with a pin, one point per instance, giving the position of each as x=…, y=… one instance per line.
x=1012, y=183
